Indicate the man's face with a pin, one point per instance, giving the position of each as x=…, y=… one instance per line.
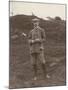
x=36, y=24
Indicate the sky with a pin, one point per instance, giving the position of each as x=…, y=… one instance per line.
x=41, y=10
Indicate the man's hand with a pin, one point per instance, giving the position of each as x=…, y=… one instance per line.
x=37, y=40
x=23, y=34
x=31, y=41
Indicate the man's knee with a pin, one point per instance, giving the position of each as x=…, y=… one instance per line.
x=43, y=62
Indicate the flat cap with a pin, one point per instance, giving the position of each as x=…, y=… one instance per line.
x=35, y=20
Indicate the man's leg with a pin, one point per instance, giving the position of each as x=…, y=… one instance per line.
x=34, y=64
x=35, y=71
x=44, y=69
x=43, y=64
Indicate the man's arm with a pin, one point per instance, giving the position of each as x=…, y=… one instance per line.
x=30, y=38
x=43, y=35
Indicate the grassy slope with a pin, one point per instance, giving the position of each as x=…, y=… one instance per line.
x=21, y=72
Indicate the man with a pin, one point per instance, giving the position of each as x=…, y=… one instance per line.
x=36, y=42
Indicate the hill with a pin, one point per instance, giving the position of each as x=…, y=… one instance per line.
x=55, y=29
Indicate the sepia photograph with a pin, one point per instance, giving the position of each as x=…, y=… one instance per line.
x=37, y=33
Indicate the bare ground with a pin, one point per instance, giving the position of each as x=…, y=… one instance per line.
x=21, y=73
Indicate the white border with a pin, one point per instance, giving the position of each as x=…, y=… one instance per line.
x=4, y=44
